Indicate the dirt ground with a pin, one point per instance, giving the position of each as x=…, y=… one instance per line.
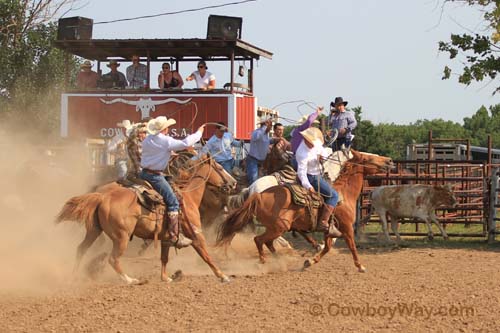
x=416, y=289
x=405, y=289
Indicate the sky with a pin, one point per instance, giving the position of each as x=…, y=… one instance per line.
x=381, y=55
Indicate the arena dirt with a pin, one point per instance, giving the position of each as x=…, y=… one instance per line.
x=409, y=289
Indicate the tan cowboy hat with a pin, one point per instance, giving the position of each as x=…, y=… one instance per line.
x=86, y=64
x=113, y=62
x=304, y=118
x=158, y=124
x=314, y=136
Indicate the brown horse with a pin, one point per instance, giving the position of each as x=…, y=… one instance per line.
x=118, y=214
x=275, y=209
x=277, y=158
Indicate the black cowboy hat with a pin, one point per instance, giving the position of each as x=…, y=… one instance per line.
x=338, y=101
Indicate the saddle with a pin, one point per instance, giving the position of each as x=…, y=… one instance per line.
x=287, y=175
x=147, y=197
x=302, y=197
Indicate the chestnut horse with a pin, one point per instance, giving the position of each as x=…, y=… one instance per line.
x=117, y=213
x=275, y=209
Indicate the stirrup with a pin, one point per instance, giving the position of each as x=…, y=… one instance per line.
x=181, y=242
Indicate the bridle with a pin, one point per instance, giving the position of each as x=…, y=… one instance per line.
x=224, y=188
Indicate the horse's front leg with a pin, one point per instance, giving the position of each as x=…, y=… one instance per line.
x=317, y=257
x=200, y=245
x=348, y=234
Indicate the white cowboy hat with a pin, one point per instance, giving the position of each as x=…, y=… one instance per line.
x=124, y=123
x=304, y=118
x=262, y=119
x=158, y=124
x=313, y=135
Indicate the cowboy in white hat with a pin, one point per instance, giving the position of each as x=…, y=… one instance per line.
x=87, y=78
x=117, y=148
x=156, y=151
x=259, y=146
x=309, y=174
x=305, y=123
x=114, y=79
x=342, y=121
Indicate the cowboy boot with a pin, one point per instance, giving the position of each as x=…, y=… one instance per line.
x=324, y=224
x=176, y=238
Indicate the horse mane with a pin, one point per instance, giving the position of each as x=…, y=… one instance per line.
x=346, y=171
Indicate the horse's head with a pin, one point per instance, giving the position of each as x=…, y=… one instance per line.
x=277, y=158
x=215, y=175
x=372, y=163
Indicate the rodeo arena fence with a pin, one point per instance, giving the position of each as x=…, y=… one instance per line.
x=469, y=170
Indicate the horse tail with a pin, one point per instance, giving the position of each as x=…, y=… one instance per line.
x=237, y=220
x=236, y=201
x=81, y=209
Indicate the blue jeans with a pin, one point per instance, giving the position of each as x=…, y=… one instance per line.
x=252, y=169
x=161, y=185
x=228, y=165
x=329, y=194
x=121, y=169
x=337, y=144
x=294, y=164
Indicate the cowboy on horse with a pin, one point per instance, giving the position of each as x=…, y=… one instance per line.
x=308, y=157
x=156, y=151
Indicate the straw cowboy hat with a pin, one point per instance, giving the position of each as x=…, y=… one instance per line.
x=137, y=128
x=86, y=64
x=304, y=118
x=158, y=124
x=113, y=62
x=314, y=136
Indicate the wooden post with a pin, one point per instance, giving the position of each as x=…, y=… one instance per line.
x=232, y=71
x=489, y=153
x=250, y=76
x=148, y=84
x=492, y=223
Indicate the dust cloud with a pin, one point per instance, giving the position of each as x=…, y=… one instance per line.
x=37, y=256
x=36, y=178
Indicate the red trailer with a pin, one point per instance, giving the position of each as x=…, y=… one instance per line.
x=94, y=114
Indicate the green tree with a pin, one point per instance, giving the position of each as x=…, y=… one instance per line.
x=31, y=70
x=478, y=54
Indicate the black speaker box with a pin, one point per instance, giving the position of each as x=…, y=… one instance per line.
x=74, y=28
x=224, y=27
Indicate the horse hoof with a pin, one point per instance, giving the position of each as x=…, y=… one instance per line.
x=362, y=269
x=166, y=279
x=225, y=279
x=307, y=263
x=133, y=281
x=319, y=247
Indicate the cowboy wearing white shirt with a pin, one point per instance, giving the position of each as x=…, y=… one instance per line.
x=156, y=151
x=308, y=154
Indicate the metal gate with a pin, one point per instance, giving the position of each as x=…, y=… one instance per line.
x=470, y=183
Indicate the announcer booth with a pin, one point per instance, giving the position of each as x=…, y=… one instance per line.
x=94, y=114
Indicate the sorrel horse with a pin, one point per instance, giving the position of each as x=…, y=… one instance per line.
x=275, y=209
x=278, y=157
x=119, y=215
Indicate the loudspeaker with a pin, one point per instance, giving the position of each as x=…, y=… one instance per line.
x=74, y=28
x=224, y=27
